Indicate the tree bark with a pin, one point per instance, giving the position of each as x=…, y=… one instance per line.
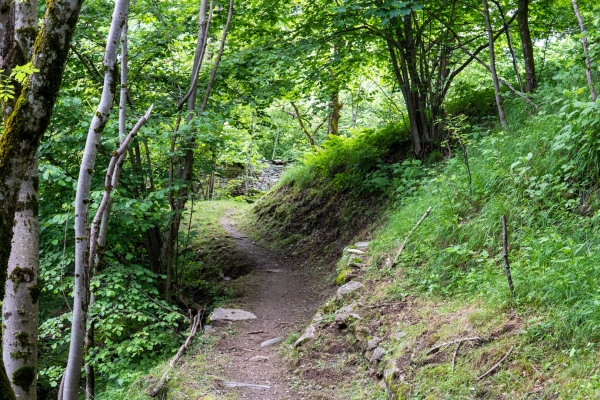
x=177, y=202
x=586, y=50
x=82, y=199
x=26, y=123
x=20, y=305
x=486, y=15
x=509, y=42
x=213, y=73
x=334, y=119
x=527, y=45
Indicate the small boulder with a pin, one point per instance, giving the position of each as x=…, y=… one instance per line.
x=355, y=251
x=373, y=343
x=378, y=354
x=398, y=335
x=309, y=334
x=349, y=288
x=362, y=245
x=230, y=314
x=271, y=342
x=343, y=315
x=258, y=358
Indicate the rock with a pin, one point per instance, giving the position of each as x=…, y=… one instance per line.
x=373, y=343
x=230, y=314
x=271, y=342
x=362, y=245
x=207, y=328
x=378, y=354
x=258, y=358
x=398, y=335
x=344, y=314
x=248, y=385
x=355, y=251
x=309, y=334
x=349, y=288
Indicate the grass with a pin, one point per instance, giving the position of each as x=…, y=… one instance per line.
x=451, y=272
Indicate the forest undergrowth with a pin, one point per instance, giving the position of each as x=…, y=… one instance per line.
x=450, y=281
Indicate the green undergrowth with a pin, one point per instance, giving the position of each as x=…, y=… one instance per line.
x=337, y=192
x=542, y=174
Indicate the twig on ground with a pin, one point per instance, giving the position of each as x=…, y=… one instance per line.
x=254, y=332
x=409, y=234
x=195, y=323
x=497, y=364
x=455, y=354
x=469, y=339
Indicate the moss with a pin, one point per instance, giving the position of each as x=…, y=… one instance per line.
x=34, y=292
x=23, y=339
x=21, y=275
x=23, y=377
x=19, y=355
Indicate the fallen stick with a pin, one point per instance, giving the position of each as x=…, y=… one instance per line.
x=409, y=234
x=455, y=354
x=505, y=256
x=469, y=339
x=497, y=364
x=196, y=323
x=254, y=332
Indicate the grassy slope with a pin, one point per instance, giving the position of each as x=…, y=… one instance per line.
x=450, y=284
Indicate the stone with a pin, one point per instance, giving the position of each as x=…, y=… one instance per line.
x=230, y=314
x=207, y=328
x=398, y=335
x=378, y=354
x=248, y=385
x=362, y=245
x=309, y=334
x=349, y=288
x=271, y=342
x=344, y=314
x=355, y=251
x=258, y=358
x=373, y=343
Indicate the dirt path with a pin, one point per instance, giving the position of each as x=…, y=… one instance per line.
x=284, y=298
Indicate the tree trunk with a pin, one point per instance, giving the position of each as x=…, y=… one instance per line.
x=586, y=50
x=486, y=15
x=213, y=72
x=20, y=306
x=334, y=119
x=527, y=45
x=509, y=42
x=82, y=199
x=27, y=122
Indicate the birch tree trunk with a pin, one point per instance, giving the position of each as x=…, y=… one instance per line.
x=20, y=305
x=586, y=50
x=27, y=121
x=82, y=199
x=488, y=25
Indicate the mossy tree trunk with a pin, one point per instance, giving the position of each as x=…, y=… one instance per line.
x=82, y=200
x=20, y=305
x=28, y=119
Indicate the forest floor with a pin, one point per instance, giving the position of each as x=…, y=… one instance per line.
x=284, y=293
